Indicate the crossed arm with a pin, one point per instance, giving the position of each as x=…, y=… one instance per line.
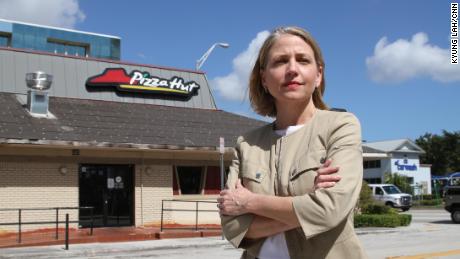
x=246, y=215
x=272, y=214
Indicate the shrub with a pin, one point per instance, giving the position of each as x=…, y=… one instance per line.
x=377, y=209
x=427, y=197
x=365, y=197
x=405, y=219
x=382, y=220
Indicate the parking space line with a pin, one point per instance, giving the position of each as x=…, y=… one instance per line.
x=427, y=256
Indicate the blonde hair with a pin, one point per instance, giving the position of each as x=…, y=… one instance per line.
x=261, y=101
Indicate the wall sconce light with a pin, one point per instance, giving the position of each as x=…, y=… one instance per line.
x=148, y=171
x=63, y=170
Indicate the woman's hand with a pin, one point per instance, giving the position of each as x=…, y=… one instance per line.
x=233, y=202
x=326, y=176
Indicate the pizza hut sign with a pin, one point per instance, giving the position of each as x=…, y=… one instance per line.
x=143, y=82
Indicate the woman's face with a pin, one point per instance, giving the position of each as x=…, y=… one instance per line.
x=291, y=73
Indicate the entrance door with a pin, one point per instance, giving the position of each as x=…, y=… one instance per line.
x=109, y=189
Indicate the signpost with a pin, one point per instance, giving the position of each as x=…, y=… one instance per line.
x=222, y=151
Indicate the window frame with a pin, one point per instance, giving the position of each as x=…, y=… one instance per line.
x=8, y=37
x=202, y=179
x=65, y=44
x=369, y=164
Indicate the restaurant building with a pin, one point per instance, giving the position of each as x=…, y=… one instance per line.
x=117, y=136
x=399, y=156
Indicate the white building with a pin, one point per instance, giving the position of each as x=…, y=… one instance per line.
x=399, y=156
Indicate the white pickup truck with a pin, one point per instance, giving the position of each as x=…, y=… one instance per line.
x=390, y=195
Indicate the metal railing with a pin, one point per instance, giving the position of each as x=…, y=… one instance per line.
x=197, y=210
x=20, y=221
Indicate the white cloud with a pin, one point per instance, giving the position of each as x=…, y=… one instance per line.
x=404, y=59
x=61, y=13
x=234, y=85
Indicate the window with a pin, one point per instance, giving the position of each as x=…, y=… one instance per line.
x=213, y=184
x=190, y=179
x=197, y=180
x=453, y=191
x=455, y=181
x=378, y=191
x=371, y=164
x=68, y=48
x=410, y=180
x=390, y=189
x=5, y=40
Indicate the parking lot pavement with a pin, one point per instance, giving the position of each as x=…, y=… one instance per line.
x=412, y=240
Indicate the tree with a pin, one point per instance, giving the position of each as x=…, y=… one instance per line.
x=365, y=199
x=401, y=181
x=452, y=147
x=442, y=152
x=365, y=196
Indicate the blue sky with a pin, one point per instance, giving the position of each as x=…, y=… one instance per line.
x=403, y=89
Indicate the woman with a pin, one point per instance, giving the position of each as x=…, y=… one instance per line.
x=273, y=207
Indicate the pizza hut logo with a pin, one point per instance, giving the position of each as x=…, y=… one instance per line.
x=143, y=82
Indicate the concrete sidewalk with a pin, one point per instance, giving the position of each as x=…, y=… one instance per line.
x=47, y=237
x=110, y=249
x=159, y=248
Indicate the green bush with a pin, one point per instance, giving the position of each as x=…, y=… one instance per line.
x=405, y=219
x=427, y=197
x=377, y=208
x=382, y=220
x=365, y=197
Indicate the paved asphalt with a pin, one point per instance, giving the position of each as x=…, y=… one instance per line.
x=202, y=248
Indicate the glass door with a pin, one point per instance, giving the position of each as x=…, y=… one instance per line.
x=109, y=189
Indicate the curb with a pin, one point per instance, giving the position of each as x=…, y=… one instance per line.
x=376, y=231
x=88, y=249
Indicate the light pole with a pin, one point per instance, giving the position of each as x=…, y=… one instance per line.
x=205, y=56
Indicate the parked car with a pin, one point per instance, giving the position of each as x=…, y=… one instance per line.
x=390, y=195
x=452, y=202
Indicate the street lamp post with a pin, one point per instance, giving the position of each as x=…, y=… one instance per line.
x=205, y=56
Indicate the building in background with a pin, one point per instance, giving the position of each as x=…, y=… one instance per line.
x=116, y=136
x=400, y=156
x=58, y=41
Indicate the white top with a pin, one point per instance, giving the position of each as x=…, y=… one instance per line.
x=275, y=246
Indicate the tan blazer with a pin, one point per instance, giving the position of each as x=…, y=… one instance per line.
x=286, y=166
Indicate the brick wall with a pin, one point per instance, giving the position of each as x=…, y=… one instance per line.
x=32, y=184
x=37, y=185
x=153, y=184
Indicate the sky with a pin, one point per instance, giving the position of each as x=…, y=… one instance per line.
x=388, y=62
